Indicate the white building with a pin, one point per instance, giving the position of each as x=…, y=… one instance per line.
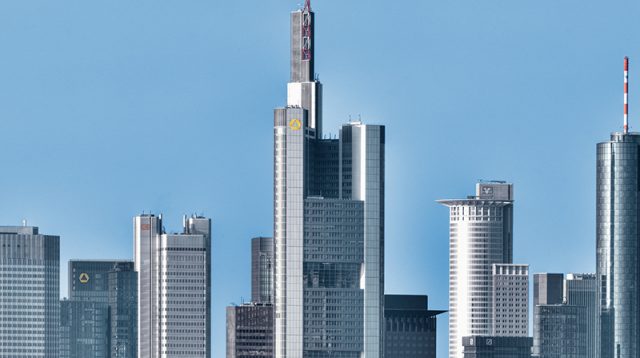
x=174, y=290
x=510, y=300
x=481, y=234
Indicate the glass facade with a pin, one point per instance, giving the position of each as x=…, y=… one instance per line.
x=582, y=290
x=29, y=293
x=617, y=245
x=557, y=331
x=262, y=266
x=480, y=235
x=496, y=347
x=328, y=222
x=86, y=327
x=123, y=310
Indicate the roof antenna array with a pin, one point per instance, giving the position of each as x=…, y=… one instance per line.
x=626, y=95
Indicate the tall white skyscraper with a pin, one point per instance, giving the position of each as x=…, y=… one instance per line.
x=480, y=235
x=174, y=289
x=328, y=222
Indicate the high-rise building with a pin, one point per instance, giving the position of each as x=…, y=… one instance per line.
x=262, y=266
x=250, y=331
x=174, y=289
x=556, y=331
x=481, y=234
x=582, y=290
x=29, y=292
x=329, y=222
x=410, y=327
x=618, y=245
x=91, y=281
x=123, y=310
x=510, y=300
x=559, y=329
x=496, y=347
x=84, y=329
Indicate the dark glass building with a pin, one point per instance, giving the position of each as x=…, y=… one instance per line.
x=123, y=310
x=410, y=327
x=582, y=290
x=262, y=265
x=84, y=329
x=106, y=291
x=617, y=245
x=558, y=332
x=548, y=288
x=250, y=331
x=29, y=293
x=496, y=347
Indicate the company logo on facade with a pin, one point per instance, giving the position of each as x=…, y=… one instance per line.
x=84, y=277
x=295, y=124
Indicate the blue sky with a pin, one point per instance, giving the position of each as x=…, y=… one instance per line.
x=108, y=109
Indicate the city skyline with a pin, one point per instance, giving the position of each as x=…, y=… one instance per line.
x=406, y=216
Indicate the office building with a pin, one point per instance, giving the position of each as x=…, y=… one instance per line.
x=617, y=245
x=29, y=292
x=548, y=289
x=123, y=310
x=250, y=331
x=556, y=332
x=174, y=290
x=410, y=327
x=480, y=235
x=510, y=300
x=262, y=266
x=92, y=281
x=328, y=221
x=558, y=328
x=582, y=290
x=496, y=347
x=84, y=327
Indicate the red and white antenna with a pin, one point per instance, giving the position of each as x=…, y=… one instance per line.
x=307, y=5
x=626, y=95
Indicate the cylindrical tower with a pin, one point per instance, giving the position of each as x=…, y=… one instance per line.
x=618, y=185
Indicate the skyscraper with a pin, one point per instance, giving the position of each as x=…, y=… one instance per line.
x=582, y=290
x=548, y=288
x=329, y=222
x=174, y=290
x=123, y=310
x=618, y=237
x=262, y=266
x=510, y=300
x=496, y=347
x=30, y=287
x=481, y=234
x=92, y=292
x=410, y=327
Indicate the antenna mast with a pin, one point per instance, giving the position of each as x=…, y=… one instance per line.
x=307, y=5
x=626, y=95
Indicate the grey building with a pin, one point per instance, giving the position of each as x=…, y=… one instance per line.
x=559, y=329
x=328, y=222
x=84, y=327
x=262, y=266
x=29, y=292
x=496, y=347
x=410, y=330
x=582, y=290
x=174, y=287
x=480, y=235
x=617, y=245
x=250, y=331
x=123, y=310
x=556, y=331
x=548, y=288
x=510, y=300
x=89, y=279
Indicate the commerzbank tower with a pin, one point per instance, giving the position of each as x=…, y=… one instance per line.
x=328, y=221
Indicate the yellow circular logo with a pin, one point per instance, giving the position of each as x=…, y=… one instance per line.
x=84, y=277
x=295, y=124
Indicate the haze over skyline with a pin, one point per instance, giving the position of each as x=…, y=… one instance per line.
x=117, y=108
